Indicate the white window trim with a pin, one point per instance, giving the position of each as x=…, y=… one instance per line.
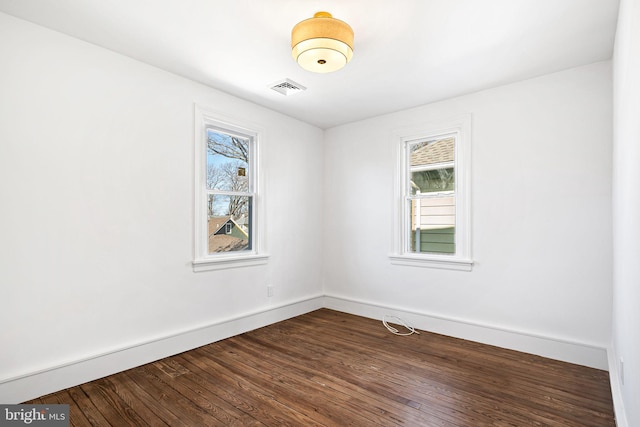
x=400, y=255
x=203, y=119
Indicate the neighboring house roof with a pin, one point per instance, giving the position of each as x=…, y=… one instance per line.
x=217, y=222
x=440, y=151
x=226, y=243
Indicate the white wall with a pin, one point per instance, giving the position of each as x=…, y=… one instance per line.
x=626, y=216
x=541, y=176
x=96, y=215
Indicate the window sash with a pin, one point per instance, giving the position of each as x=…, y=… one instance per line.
x=432, y=166
x=249, y=193
x=410, y=224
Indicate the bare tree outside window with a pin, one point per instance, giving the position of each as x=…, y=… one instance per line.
x=213, y=179
x=228, y=146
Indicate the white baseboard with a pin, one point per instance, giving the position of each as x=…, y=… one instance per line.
x=556, y=348
x=35, y=384
x=616, y=389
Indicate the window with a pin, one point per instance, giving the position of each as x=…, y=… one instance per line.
x=433, y=193
x=431, y=197
x=227, y=211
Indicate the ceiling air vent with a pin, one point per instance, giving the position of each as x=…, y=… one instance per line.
x=287, y=87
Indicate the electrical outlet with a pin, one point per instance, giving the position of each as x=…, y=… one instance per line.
x=622, y=371
x=269, y=291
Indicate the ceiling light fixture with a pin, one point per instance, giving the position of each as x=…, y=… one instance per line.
x=322, y=44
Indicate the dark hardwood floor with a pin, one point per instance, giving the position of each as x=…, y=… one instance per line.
x=328, y=368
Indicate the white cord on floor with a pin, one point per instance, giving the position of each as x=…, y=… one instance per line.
x=393, y=330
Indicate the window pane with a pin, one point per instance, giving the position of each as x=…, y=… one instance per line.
x=229, y=223
x=430, y=181
x=227, y=162
x=432, y=222
x=432, y=152
x=425, y=157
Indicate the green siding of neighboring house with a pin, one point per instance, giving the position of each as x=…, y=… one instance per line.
x=236, y=232
x=439, y=240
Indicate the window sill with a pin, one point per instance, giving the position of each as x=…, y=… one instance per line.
x=222, y=262
x=459, y=264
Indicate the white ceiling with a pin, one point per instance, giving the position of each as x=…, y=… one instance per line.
x=407, y=52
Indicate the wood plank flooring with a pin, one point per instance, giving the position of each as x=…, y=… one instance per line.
x=328, y=368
